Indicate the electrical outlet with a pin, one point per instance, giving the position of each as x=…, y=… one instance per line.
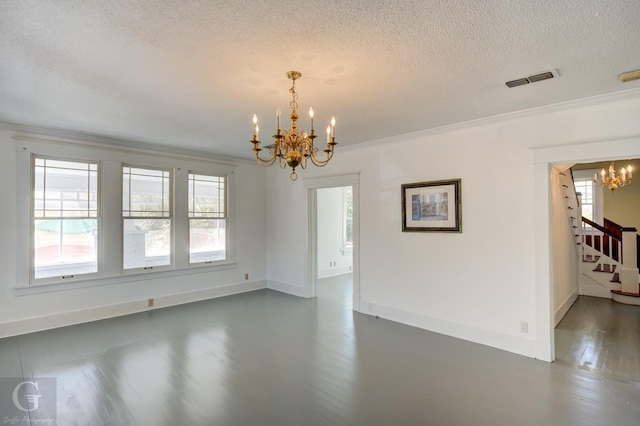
x=246, y=276
x=524, y=327
x=150, y=303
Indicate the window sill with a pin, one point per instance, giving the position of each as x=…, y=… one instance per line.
x=82, y=283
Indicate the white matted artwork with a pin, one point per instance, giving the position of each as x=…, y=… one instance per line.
x=434, y=206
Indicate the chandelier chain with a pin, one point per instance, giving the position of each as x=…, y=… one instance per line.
x=294, y=96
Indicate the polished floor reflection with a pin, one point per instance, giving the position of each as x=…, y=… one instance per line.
x=602, y=336
x=266, y=358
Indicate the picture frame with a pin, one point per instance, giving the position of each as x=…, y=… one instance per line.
x=434, y=206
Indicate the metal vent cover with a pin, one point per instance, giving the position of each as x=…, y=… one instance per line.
x=531, y=79
x=516, y=83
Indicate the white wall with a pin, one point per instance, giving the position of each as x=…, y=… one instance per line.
x=565, y=253
x=21, y=312
x=333, y=259
x=479, y=285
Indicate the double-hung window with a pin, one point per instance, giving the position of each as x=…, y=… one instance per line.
x=146, y=217
x=591, y=198
x=101, y=215
x=585, y=188
x=207, y=218
x=65, y=218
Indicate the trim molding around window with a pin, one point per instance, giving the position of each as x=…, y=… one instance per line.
x=596, y=201
x=109, y=217
x=65, y=219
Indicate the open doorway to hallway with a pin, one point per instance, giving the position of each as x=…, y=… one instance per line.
x=543, y=160
x=596, y=333
x=334, y=251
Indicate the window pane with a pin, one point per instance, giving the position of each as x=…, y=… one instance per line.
x=65, y=212
x=65, y=189
x=65, y=247
x=206, y=196
x=585, y=188
x=145, y=192
x=147, y=243
x=207, y=213
x=207, y=240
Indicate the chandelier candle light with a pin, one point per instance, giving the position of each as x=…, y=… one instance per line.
x=612, y=181
x=293, y=146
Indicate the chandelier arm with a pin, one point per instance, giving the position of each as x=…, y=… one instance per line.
x=328, y=150
x=321, y=163
x=262, y=161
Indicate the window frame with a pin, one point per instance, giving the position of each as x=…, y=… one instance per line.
x=225, y=217
x=170, y=218
x=33, y=157
x=111, y=159
x=597, y=193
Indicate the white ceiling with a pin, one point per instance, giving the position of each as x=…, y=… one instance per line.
x=190, y=74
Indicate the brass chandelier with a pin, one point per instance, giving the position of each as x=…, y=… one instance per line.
x=291, y=147
x=613, y=181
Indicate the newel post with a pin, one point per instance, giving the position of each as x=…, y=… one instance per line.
x=629, y=273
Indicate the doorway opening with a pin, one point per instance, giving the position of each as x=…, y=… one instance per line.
x=544, y=159
x=334, y=252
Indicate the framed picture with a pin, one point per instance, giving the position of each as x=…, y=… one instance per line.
x=432, y=206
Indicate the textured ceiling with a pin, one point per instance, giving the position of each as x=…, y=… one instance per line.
x=190, y=74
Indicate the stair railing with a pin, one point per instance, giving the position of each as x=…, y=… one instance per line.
x=617, y=229
x=605, y=241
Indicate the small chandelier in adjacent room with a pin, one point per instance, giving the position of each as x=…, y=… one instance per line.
x=292, y=147
x=613, y=181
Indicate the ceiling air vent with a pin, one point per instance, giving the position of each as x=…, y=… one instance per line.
x=531, y=79
x=516, y=83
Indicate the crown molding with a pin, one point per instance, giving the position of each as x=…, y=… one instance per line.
x=27, y=132
x=501, y=118
x=139, y=146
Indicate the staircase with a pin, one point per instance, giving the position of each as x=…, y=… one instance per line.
x=601, y=251
x=600, y=273
x=602, y=262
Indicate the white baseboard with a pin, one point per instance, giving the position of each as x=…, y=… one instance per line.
x=63, y=319
x=326, y=273
x=288, y=288
x=519, y=343
x=564, y=307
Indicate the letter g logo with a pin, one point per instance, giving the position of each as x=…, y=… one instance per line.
x=32, y=399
